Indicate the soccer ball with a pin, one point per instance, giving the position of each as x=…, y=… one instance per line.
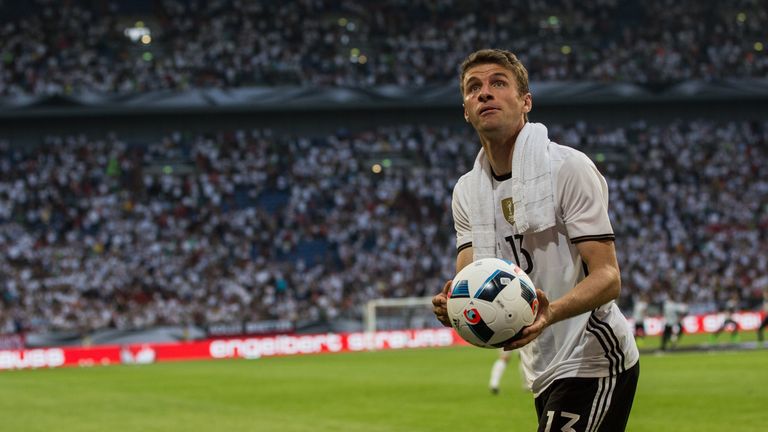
x=491, y=301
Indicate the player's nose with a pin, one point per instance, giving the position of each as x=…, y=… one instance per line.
x=484, y=95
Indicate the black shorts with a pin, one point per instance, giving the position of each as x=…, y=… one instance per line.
x=588, y=404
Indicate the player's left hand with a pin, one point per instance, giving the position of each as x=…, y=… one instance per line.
x=542, y=321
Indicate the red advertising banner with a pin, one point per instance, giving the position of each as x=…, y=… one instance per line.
x=285, y=345
x=248, y=348
x=709, y=323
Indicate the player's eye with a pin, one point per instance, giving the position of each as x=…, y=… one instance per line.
x=498, y=84
x=474, y=88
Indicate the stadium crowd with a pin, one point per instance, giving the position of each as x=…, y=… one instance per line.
x=83, y=46
x=255, y=225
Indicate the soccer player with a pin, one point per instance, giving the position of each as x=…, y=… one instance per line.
x=497, y=371
x=545, y=207
x=731, y=306
x=764, y=324
x=673, y=312
x=639, y=311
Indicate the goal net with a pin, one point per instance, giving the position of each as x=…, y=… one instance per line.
x=400, y=314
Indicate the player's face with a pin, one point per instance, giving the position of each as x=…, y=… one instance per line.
x=492, y=102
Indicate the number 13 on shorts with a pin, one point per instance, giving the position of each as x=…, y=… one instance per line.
x=570, y=419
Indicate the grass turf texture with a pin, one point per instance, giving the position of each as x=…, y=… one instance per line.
x=416, y=390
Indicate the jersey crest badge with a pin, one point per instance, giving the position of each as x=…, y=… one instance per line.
x=508, y=208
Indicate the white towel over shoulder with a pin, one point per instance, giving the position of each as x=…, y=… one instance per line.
x=532, y=190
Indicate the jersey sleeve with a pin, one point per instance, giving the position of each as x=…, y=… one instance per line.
x=583, y=196
x=460, y=208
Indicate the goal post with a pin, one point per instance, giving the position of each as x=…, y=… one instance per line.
x=399, y=314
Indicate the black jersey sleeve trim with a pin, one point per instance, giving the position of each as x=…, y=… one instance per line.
x=593, y=237
x=464, y=246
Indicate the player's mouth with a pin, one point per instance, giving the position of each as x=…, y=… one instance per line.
x=487, y=110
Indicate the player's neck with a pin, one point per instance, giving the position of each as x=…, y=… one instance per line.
x=499, y=153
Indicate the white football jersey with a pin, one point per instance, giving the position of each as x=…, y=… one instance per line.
x=639, y=310
x=594, y=344
x=671, y=312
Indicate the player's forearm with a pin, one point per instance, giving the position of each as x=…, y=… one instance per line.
x=464, y=258
x=600, y=287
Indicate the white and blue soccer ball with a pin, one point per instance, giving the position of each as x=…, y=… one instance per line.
x=491, y=301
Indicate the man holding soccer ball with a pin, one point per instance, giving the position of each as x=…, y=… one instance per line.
x=545, y=207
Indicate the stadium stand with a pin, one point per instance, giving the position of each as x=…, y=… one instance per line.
x=134, y=47
x=245, y=225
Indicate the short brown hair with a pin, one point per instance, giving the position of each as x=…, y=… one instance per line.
x=500, y=57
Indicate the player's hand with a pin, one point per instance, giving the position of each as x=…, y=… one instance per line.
x=440, y=305
x=542, y=321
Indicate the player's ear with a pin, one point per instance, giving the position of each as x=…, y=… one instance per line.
x=466, y=116
x=528, y=103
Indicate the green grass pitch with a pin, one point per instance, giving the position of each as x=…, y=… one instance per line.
x=441, y=390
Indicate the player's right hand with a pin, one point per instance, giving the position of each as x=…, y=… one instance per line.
x=440, y=305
